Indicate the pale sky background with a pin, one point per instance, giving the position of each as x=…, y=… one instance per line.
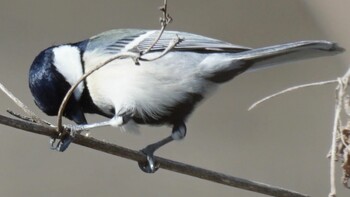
x=283, y=142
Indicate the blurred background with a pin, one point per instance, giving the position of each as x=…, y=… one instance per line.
x=283, y=142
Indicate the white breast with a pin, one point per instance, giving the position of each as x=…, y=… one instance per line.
x=148, y=89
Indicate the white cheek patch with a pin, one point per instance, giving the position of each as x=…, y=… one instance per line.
x=67, y=60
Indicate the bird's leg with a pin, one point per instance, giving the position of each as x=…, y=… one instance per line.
x=178, y=133
x=64, y=141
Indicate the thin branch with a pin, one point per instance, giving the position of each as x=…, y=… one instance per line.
x=131, y=55
x=164, y=21
x=338, y=109
x=71, y=90
x=21, y=105
x=341, y=103
x=340, y=96
x=170, y=46
x=164, y=163
x=20, y=116
x=289, y=90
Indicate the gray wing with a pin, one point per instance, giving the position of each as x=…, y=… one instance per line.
x=114, y=41
x=191, y=42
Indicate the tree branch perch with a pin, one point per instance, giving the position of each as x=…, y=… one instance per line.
x=164, y=163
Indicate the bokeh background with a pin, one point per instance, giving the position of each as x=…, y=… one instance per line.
x=283, y=142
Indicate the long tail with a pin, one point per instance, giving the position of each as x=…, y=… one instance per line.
x=221, y=68
x=279, y=54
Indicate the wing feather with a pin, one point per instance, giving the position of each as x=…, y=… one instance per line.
x=115, y=41
x=191, y=42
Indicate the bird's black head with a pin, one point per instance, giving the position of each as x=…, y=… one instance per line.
x=51, y=75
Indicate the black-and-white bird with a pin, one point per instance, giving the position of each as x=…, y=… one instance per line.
x=163, y=91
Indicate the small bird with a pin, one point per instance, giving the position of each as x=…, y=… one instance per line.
x=160, y=92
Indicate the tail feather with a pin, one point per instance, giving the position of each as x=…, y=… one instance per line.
x=279, y=54
x=220, y=68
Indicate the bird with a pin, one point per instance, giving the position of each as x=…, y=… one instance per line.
x=163, y=91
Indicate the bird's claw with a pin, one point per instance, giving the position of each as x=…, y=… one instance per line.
x=63, y=140
x=150, y=166
x=61, y=143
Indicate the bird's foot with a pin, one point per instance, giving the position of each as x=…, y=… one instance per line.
x=150, y=166
x=64, y=139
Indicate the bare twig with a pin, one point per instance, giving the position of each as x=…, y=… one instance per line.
x=164, y=21
x=339, y=145
x=132, y=55
x=338, y=109
x=164, y=163
x=21, y=105
x=291, y=89
x=71, y=90
x=20, y=116
x=170, y=46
